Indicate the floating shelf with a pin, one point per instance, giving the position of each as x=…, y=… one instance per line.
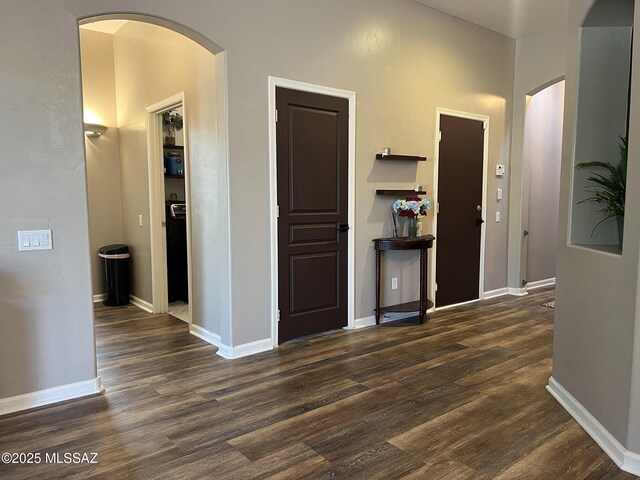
x=401, y=193
x=173, y=147
x=411, y=158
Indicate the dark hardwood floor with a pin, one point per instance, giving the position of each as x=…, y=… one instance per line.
x=462, y=396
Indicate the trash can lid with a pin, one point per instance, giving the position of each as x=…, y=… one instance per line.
x=116, y=249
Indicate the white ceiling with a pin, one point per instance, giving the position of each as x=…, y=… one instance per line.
x=105, y=26
x=513, y=18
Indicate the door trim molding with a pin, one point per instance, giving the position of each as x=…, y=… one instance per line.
x=159, y=288
x=436, y=165
x=273, y=192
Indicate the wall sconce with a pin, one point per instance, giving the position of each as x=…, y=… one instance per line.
x=93, y=130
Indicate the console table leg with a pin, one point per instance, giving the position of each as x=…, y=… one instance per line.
x=377, y=287
x=423, y=303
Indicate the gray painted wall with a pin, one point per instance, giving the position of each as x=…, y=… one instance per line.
x=103, y=153
x=404, y=60
x=542, y=157
x=540, y=61
x=596, y=308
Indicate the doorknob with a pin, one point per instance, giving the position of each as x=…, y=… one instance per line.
x=343, y=227
x=479, y=208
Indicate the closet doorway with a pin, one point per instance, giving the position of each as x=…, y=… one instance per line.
x=169, y=197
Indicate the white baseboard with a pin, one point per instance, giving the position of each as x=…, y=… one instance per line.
x=496, y=293
x=50, y=396
x=518, y=292
x=226, y=351
x=206, y=335
x=365, y=322
x=99, y=297
x=246, y=349
x=143, y=304
x=625, y=459
x=541, y=283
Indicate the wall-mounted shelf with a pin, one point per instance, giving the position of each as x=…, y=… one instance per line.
x=411, y=158
x=174, y=176
x=399, y=193
x=173, y=147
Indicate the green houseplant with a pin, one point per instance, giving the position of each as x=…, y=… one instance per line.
x=609, y=189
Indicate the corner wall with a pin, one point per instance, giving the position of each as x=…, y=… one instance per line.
x=596, y=312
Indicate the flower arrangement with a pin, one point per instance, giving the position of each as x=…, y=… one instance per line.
x=411, y=207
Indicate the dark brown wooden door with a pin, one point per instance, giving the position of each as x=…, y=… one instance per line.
x=460, y=174
x=312, y=147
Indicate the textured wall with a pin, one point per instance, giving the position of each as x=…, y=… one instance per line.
x=103, y=153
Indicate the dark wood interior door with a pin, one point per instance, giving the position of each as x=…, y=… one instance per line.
x=460, y=217
x=312, y=148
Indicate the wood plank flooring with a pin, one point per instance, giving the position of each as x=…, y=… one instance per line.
x=460, y=397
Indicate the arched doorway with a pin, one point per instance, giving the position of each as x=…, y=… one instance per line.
x=541, y=184
x=154, y=60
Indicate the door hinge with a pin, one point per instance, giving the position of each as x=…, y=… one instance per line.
x=277, y=211
x=439, y=136
x=278, y=315
x=276, y=115
x=164, y=224
x=436, y=286
x=525, y=233
x=484, y=125
x=437, y=207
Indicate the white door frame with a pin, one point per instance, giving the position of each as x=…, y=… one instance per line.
x=157, y=215
x=273, y=198
x=436, y=166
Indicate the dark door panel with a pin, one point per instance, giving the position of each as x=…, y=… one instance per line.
x=312, y=149
x=460, y=173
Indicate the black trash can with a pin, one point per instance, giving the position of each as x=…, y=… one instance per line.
x=116, y=269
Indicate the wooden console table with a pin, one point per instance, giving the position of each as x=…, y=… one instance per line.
x=419, y=243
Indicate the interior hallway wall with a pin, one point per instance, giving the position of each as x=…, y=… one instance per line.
x=153, y=63
x=103, y=153
x=542, y=158
x=540, y=61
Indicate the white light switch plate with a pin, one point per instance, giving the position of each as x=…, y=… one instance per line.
x=34, y=240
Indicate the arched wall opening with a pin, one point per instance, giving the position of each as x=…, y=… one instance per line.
x=542, y=158
x=144, y=77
